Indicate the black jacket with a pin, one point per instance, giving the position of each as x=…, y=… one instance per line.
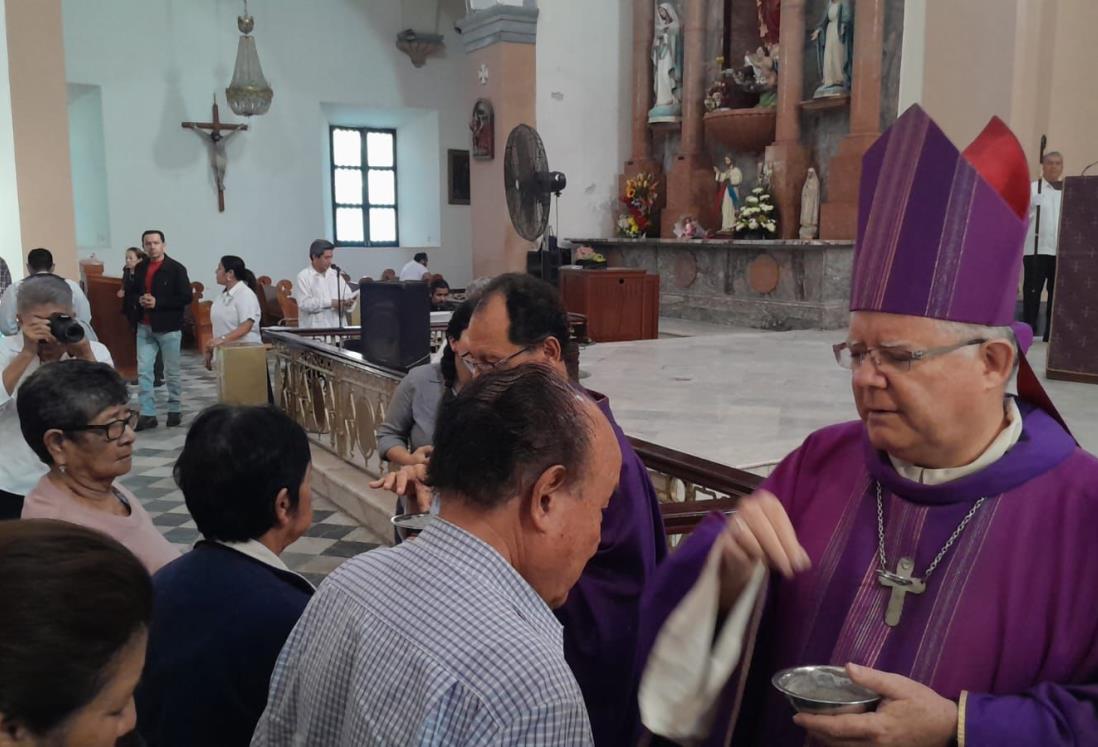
x=171, y=289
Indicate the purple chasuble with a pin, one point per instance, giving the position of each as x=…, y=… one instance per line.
x=1009, y=618
x=600, y=615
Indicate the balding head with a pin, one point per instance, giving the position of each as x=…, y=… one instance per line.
x=528, y=463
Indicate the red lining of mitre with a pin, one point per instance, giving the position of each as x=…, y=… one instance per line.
x=998, y=157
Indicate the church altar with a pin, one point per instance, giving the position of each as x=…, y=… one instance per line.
x=766, y=284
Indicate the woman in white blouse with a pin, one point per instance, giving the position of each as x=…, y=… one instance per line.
x=235, y=313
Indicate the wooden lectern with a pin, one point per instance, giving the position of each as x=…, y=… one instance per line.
x=620, y=303
x=111, y=326
x=1073, y=342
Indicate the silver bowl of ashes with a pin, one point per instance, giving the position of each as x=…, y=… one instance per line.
x=823, y=689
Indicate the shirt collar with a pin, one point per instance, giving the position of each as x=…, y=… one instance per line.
x=231, y=292
x=256, y=550
x=994, y=452
x=467, y=553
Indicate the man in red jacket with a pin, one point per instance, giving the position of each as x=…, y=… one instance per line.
x=160, y=292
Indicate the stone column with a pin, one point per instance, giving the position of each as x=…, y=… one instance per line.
x=502, y=38
x=40, y=129
x=839, y=214
x=644, y=12
x=690, y=184
x=788, y=157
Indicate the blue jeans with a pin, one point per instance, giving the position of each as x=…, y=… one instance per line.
x=167, y=344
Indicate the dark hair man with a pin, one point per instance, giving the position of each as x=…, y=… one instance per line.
x=416, y=269
x=467, y=604
x=157, y=298
x=40, y=262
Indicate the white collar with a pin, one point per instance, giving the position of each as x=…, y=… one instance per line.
x=256, y=550
x=231, y=292
x=994, y=452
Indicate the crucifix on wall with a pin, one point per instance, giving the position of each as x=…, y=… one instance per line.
x=217, y=141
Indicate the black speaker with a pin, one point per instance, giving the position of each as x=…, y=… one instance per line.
x=396, y=324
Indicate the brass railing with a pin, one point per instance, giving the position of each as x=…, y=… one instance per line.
x=334, y=394
x=340, y=399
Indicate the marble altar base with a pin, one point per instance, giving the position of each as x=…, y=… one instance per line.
x=774, y=285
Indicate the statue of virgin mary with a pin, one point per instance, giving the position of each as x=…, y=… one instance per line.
x=667, y=56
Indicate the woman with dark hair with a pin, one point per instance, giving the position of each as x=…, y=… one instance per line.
x=72, y=635
x=129, y=294
x=76, y=417
x=235, y=314
x=405, y=436
x=223, y=610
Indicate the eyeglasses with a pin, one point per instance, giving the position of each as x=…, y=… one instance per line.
x=892, y=359
x=479, y=367
x=114, y=429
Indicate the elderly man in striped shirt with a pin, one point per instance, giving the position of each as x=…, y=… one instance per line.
x=450, y=638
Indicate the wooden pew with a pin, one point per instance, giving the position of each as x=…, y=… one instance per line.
x=200, y=313
x=111, y=326
x=287, y=303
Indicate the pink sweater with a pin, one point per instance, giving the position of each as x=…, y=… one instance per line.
x=136, y=531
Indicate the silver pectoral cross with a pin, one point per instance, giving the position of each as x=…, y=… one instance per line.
x=902, y=583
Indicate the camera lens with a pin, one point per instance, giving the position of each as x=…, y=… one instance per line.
x=65, y=329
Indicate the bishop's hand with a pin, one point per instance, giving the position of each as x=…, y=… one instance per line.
x=759, y=531
x=910, y=714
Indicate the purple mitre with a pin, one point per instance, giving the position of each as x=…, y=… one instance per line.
x=940, y=232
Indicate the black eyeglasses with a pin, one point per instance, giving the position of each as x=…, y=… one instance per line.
x=112, y=430
x=478, y=367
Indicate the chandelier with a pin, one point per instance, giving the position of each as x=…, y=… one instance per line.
x=249, y=93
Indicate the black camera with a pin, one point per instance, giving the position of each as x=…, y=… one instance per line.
x=65, y=329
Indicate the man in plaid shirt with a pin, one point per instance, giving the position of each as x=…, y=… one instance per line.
x=450, y=638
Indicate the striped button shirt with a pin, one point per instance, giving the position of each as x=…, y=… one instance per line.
x=437, y=641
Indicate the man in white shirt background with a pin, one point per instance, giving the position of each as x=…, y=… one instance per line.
x=40, y=262
x=1039, y=262
x=43, y=297
x=416, y=269
x=320, y=291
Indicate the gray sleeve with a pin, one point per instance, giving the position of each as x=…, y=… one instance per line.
x=397, y=428
x=8, y=325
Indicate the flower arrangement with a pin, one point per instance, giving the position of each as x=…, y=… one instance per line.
x=640, y=197
x=585, y=256
x=757, y=217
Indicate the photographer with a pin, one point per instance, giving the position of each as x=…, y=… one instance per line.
x=47, y=332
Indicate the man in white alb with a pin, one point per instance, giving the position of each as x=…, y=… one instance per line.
x=320, y=291
x=1039, y=262
x=416, y=269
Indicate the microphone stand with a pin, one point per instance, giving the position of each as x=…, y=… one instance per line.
x=339, y=301
x=1089, y=165
x=1040, y=183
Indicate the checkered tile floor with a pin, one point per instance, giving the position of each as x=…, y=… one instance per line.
x=333, y=538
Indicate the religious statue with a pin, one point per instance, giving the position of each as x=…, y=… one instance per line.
x=219, y=160
x=759, y=75
x=483, y=127
x=689, y=228
x=729, y=179
x=770, y=15
x=810, y=206
x=834, y=48
x=667, y=58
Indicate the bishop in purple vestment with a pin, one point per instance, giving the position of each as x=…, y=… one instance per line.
x=984, y=495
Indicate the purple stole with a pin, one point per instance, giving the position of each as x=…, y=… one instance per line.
x=1010, y=615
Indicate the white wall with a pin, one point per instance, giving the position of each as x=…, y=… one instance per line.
x=158, y=62
x=584, y=85
x=11, y=242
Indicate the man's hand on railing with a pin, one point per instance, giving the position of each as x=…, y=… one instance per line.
x=411, y=483
x=759, y=531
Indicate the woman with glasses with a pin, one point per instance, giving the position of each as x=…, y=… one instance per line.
x=405, y=436
x=76, y=417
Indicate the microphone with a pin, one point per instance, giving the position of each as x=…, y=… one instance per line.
x=1089, y=165
x=337, y=268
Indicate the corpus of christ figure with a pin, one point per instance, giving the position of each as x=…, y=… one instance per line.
x=218, y=159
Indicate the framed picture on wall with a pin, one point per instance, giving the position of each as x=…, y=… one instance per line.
x=458, y=176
